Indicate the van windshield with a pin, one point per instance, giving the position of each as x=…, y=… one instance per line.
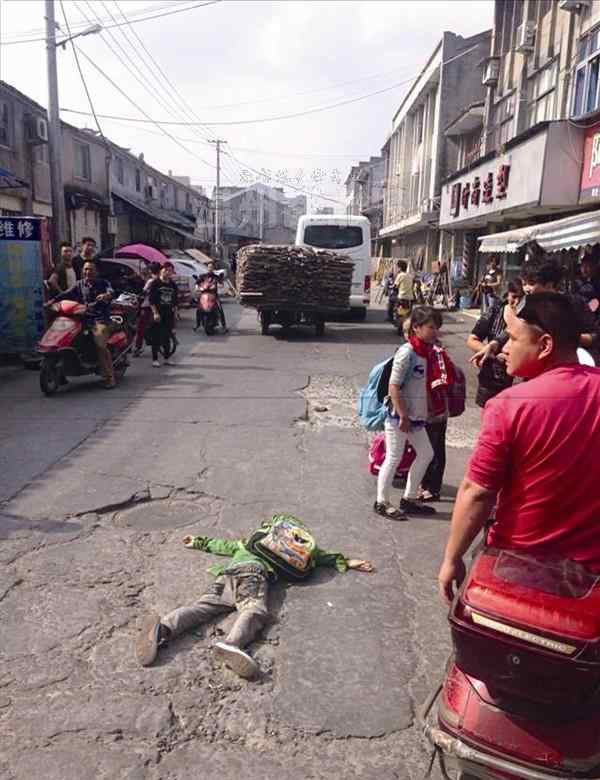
x=333, y=236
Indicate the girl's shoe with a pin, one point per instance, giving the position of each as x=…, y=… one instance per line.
x=386, y=510
x=156, y=364
x=416, y=508
x=427, y=496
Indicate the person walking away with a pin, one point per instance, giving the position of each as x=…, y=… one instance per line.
x=537, y=451
x=87, y=253
x=145, y=316
x=490, y=285
x=162, y=298
x=384, y=288
x=404, y=284
x=63, y=276
x=492, y=377
x=437, y=423
x=408, y=410
x=96, y=294
x=241, y=585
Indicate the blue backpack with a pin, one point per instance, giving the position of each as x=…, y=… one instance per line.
x=371, y=408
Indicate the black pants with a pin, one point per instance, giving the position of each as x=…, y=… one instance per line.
x=434, y=476
x=161, y=335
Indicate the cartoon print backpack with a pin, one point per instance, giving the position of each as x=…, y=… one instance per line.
x=371, y=408
x=377, y=456
x=286, y=543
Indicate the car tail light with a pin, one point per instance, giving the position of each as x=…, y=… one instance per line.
x=367, y=284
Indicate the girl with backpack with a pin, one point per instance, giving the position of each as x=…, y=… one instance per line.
x=416, y=394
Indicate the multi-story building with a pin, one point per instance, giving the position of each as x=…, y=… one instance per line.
x=85, y=171
x=154, y=208
x=258, y=213
x=417, y=154
x=25, y=171
x=520, y=156
x=364, y=193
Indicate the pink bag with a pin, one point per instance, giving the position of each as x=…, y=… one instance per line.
x=377, y=456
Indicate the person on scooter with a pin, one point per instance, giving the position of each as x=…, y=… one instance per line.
x=536, y=458
x=96, y=294
x=211, y=280
x=145, y=316
x=163, y=302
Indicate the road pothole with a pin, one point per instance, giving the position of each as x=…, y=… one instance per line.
x=330, y=403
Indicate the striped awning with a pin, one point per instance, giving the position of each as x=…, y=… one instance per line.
x=569, y=233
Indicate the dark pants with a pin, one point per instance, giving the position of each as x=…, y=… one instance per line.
x=434, y=476
x=161, y=336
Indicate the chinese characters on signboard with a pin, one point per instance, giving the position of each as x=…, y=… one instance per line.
x=590, y=173
x=21, y=284
x=470, y=194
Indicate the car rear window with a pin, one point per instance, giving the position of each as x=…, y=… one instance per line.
x=333, y=236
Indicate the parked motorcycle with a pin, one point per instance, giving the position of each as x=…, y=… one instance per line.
x=521, y=696
x=68, y=349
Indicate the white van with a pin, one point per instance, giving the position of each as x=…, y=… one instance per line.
x=349, y=236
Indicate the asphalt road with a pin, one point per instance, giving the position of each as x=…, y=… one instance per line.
x=96, y=491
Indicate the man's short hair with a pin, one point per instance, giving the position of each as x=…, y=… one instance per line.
x=155, y=267
x=402, y=265
x=545, y=273
x=168, y=264
x=555, y=314
x=64, y=244
x=88, y=239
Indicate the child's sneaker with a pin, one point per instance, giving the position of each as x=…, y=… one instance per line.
x=156, y=364
x=237, y=660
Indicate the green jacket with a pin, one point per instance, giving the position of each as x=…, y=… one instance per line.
x=237, y=552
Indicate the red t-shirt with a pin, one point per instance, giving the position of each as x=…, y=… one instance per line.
x=539, y=446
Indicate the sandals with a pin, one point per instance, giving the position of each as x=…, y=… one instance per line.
x=427, y=496
x=388, y=511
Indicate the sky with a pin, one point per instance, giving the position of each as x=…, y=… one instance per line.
x=236, y=61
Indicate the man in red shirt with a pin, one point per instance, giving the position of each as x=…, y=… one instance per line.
x=537, y=456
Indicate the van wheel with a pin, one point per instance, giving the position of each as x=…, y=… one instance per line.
x=49, y=377
x=265, y=322
x=320, y=329
x=359, y=314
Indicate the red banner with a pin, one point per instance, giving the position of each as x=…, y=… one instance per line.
x=590, y=174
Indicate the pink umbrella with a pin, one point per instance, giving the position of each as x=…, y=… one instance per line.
x=144, y=251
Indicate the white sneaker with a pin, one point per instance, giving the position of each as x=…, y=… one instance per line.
x=156, y=364
x=237, y=660
x=168, y=363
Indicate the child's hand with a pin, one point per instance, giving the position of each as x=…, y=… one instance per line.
x=188, y=541
x=355, y=563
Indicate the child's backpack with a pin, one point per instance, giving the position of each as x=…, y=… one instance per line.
x=371, y=409
x=457, y=393
x=287, y=544
x=377, y=456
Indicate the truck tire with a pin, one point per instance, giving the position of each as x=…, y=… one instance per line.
x=359, y=314
x=320, y=328
x=265, y=321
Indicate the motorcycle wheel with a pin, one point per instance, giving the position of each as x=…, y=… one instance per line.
x=172, y=347
x=209, y=328
x=49, y=377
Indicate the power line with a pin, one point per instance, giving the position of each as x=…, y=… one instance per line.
x=135, y=21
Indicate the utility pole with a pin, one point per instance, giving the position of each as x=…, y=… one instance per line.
x=59, y=217
x=217, y=142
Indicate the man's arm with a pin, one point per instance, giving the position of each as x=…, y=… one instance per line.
x=216, y=546
x=471, y=511
x=73, y=293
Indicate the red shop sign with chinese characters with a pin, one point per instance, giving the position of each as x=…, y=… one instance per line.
x=590, y=174
x=470, y=194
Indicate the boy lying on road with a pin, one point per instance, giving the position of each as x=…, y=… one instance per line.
x=283, y=545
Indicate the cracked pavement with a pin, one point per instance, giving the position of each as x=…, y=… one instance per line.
x=96, y=491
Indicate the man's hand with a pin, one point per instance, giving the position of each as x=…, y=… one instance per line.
x=188, y=541
x=451, y=572
x=358, y=565
x=156, y=317
x=104, y=297
x=489, y=351
x=403, y=423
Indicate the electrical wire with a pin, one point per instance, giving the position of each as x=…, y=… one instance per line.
x=295, y=115
x=81, y=76
x=135, y=21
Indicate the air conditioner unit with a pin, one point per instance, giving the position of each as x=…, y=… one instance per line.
x=574, y=6
x=526, y=37
x=36, y=130
x=491, y=72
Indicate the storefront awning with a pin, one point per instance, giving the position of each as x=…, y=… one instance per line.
x=8, y=181
x=569, y=233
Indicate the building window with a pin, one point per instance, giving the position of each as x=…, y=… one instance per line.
x=138, y=180
x=5, y=124
x=120, y=170
x=542, y=95
x=586, y=96
x=40, y=154
x=82, y=161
